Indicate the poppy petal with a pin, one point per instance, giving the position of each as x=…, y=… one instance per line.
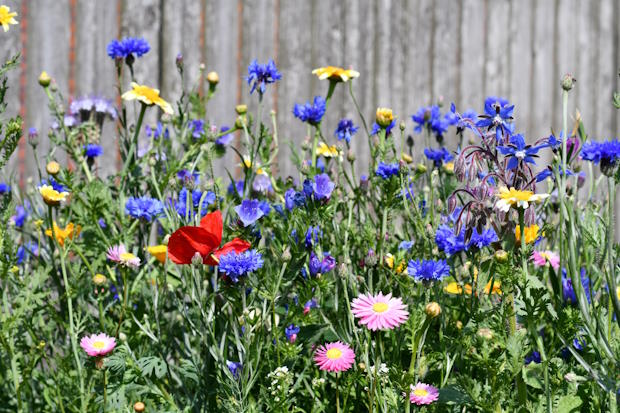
x=187, y=241
x=237, y=245
x=212, y=223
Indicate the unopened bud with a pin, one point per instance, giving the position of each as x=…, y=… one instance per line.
x=213, y=78
x=197, y=259
x=501, y=256
x=420, y=168
x=406, y=158
x=384, y=117
x=240, y=122
x=432, y=309
x=351, y=156
x=241, y=109
x=568, y=82
x=44, y=79
x=52, y=168
x=486, y=333
x=139, y=407
x=179, y=62
x=286, y=255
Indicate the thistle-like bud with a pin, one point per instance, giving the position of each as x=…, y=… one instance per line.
x=197, y=260
x=501, y=256
x=33, y=136
x=432, y=309
x=179, y=62
x=241, y=109
x=52, y=168
x=402, y=126
x=213, y=78
x=286, y=254
x=371, y=258
x=44, y=79
x=568, y=82
x=240, y=122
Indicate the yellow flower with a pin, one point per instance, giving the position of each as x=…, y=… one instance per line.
x=99, y=279
x=327, y=151
x=618, y=292
x=62, y=234
x=6, y=17
x=389, y=260
x=406, y=158
x=147, y=96
x=334, y=73
x=455, y=288
x=38, y=223
x=52, y=168
x=448, y=167
x=384, y=117
x=432, y=309
x=402, y=267
x=44, y=79
x=531, y=233
x=51, y=196
x=517, y=199
x=159, y=252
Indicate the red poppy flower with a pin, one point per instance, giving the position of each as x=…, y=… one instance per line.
x=185, y=242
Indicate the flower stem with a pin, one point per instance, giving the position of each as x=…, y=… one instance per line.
x=134, y=144
x=611, y=273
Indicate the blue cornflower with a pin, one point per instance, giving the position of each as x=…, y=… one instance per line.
x=261, y=75
x=451, y=243
x=605, y=152
x=322, y=186
x=386, y=170
x=30, y=248
x=54, y=184
x=236, y=265
x=21, y=213
x=144, y=208
x=249, y=211
x=405, y=245
x=313, y=235
x=128, y=46
x=345, y=130
x=376, y=128
x=224, y=139
x=430, y=118
x=92, y=150
x=310, y=112
x=428, y=270
x=197, y=127
x=102, y=223
x=518, y=151
x=186, y=176
x=236, y=187
x=534, y=356
x=321, y=266
x=568, y=291
x=235, y=368
x=181, y=204
x=291, y=333
x=438, y=156
x=4, y=188
x=548, y=172
x=158, y=132
x=497, y=114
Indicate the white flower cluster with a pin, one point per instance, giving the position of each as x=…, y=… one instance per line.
x=281, y=381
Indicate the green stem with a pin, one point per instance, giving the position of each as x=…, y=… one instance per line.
x=337, y=395
x=611, y=273
x=134, y=143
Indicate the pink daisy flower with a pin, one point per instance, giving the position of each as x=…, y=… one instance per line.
x=119, y=254
x=540, y=258
x=98, y=345
x=423, y=393
x=334, y=357
x=379, y=312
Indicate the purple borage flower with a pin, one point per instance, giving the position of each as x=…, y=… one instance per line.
x=497, y=114
x=259, y=76
x=249, y=211
x=517, y=151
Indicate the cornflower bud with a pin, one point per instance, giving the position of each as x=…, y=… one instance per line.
x=44, y=79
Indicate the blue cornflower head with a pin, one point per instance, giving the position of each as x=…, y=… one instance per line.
x=144, y=208
x=101, y=223
x=186, y=176
x=236, y=187
x=311, y=113
x=235, y=368
x=313, y=235
x=197, y=127
x=534, y=356
x=291, y=333
x=345, y=130
x=237, y=265
x=517, y=151
x=307, y=188
x=451, y=243
x=405, y=245
x=568, y=291
x=438, y=156
x=92, y=150
x=387, y=170
x=128, y=46
x=21, y=213
x=260, y=76
x=428, y=270
x=430, y=118
x=30, y=248
x=224, y=139
x=497, y=114
x=54, y=184
x=183, y=208
x=158, y=132
x=376, y=128
x=321, y=266
x=249, y=211
x=322, y=186
x=601, y=152
x=4, y=188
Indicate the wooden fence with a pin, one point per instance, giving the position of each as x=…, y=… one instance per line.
x=409, y=54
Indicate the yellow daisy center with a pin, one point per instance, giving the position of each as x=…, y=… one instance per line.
x=420, y=392
x=333, y=353
x=126, y=256
x=98, y=344
x=380, y=307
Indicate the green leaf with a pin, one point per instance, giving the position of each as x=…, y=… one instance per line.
x=532, y=374
x=451, y=394
x=151, y=364
x=569, y=403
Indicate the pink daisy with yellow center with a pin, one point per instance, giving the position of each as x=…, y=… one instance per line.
x=541, y=258
x=119, y=254
x=379, y=312
x=98, y=345
x=423, y=393
x=334, y=357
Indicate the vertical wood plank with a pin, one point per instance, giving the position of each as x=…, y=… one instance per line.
x=472, y=39
x=95, y=71
x=497, y=48
x=606, y=72
x=585, y=70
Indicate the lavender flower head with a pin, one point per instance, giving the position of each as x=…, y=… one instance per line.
x=249, y=211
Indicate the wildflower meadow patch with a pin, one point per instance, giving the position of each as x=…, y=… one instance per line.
x=481, y=278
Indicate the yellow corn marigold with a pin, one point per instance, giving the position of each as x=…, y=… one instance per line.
x=159, y=252
x=7, y=17
x=517, y=199
x=335, y=73
x=51, y=196
x=531, y=233
x=68, y=232
x=148, y=96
